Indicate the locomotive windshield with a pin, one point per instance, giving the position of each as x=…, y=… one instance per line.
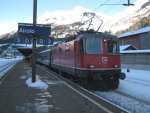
x=92, y=46
x=112, y=46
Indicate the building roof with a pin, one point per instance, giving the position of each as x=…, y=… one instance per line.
x=135, y=51
x=127, y=47
x=138, y=31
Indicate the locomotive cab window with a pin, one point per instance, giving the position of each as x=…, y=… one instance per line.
x=93, y=46
x=112, y=47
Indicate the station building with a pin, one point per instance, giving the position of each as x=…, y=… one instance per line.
x=139, y=39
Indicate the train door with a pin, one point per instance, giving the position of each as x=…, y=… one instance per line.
x=76, y=53
x=60, y=53
x=79, y=51
x=50, y=57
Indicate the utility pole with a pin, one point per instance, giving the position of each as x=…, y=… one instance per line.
x=128, y=4
x=34, y=30
x=34, y=43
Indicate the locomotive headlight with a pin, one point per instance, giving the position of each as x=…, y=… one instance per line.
x=91, y=66
x=116, y=66
x=104, y=40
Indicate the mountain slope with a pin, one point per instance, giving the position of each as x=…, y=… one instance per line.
x=130, y=16
x=66, y=22
x=114, y=23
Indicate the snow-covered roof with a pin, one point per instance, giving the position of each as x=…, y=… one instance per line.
x=47, y=50
x=136, y=51
x=124, y=47
x=138, y=31
x=29, y=45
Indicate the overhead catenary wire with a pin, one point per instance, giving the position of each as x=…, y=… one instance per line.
x=73, y=3
x=101, y=5
x=112, y=6
x=119, y=3
x=94, y=15
x=105, y=3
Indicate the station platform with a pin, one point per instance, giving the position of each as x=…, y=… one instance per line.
x=17, y=97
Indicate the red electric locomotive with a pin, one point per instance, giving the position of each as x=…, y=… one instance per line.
x=91, y=56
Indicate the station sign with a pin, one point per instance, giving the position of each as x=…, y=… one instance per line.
x=25, y=29
x=28, y=40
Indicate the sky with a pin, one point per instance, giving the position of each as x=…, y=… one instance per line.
x=14, y=11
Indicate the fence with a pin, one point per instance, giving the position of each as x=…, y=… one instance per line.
x=135, y=59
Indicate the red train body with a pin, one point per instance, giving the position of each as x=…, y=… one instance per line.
x=91, y=57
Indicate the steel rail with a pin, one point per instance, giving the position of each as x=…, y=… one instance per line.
x=4, y=67
x=85, y=90
x=132, y=97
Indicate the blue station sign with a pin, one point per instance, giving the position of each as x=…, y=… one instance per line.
x=34, y=30
x=28, y=40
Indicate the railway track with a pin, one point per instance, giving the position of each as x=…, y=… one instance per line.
x=123, y=99
x=132, y=97
x=129, y=102
x=88, y=95
x=4, y=69
x=138, y=81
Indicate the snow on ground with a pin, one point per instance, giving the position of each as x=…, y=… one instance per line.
x=37, y=85
x=137, y=85
x=7, y=64
x=4, y=61
x=41, y=104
